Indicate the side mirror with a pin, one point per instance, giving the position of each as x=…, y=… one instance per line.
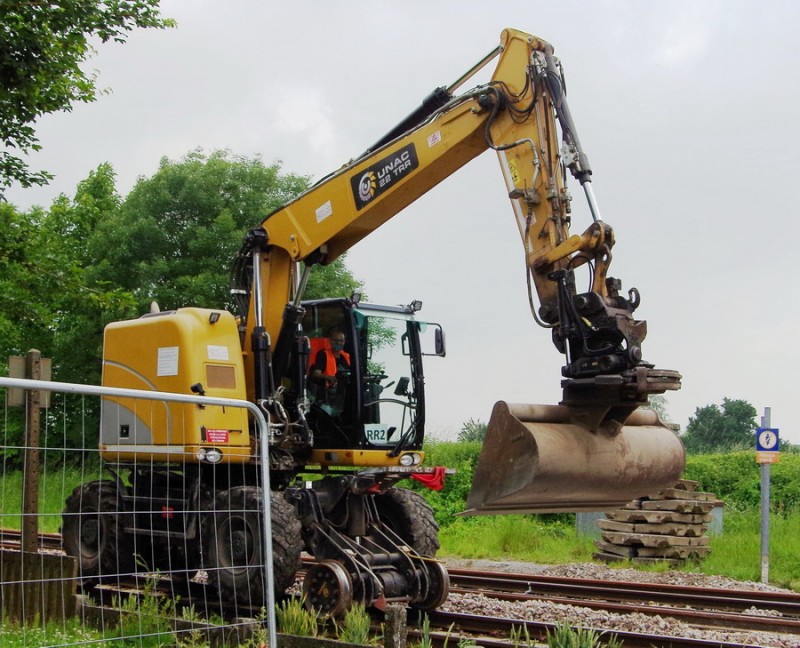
x=431, y=339
x=438, y=342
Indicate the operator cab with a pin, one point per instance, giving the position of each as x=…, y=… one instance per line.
x=369, y=394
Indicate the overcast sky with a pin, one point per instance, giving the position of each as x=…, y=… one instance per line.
x=688, y=112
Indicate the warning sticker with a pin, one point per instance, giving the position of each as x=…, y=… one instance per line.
x=217, y=352
x=215, y=435
x=167, y=361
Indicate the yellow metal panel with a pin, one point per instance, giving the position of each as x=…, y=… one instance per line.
x=170, y=352
x=365, y=458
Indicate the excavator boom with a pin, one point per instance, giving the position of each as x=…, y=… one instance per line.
x=523, y=115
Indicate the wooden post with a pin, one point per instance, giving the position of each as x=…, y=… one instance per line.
x=30, y=486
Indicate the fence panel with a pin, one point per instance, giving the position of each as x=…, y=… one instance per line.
x=129, y=538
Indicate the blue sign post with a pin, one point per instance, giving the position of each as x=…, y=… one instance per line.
x=768, y=440
x=768, y=446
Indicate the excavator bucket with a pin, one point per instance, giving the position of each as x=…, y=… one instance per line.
x=535, y=459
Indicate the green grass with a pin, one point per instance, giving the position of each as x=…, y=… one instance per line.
x=54, y=634
x=531, y=538
x=54, y=487
x=292, y=617
x=514, y=537
x=736, y=553
x=356, y=627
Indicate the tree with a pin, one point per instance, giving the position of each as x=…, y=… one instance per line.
x=45, y=299
x=81, y=305
x=23, y=316
x=94, y=258
x=658, y=403
x=42, y=46
x=175, y=235
x=720, y=429
x=332, y=280
x=43, y=258
x=473, y=430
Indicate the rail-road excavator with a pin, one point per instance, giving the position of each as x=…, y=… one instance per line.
x=341, y=381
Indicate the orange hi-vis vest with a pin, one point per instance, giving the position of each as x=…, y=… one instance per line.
x=330, y=361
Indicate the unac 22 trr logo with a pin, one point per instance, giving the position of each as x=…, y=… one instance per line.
x=381, y=176
x=367, y=186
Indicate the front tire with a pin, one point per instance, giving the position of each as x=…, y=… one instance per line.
x=92, y=531
x=233, y=541
x=411, y=517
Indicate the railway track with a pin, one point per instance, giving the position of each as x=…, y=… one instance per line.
x=698, y=606
x=703, y=609
x=786, y=603
x=11, y=539
x=711, y=608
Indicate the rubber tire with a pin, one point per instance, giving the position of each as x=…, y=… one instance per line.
x=237, y=524
x=109, y=552
x=179, y=562
x=411, y=517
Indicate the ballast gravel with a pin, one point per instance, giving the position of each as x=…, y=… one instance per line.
x=544, y=611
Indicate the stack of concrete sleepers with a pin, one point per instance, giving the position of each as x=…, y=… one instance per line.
x=667, y=527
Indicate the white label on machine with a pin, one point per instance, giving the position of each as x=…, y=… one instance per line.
x=377, y=433
x=217, y=352
x=167, y=361
x=323, y=211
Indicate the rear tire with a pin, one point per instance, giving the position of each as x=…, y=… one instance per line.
x=233, y=540
x=411, y=517
x=92, y=531
x=178, y=561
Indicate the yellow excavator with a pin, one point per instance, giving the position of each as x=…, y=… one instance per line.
x=342, y=383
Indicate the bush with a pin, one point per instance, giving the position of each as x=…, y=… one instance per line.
x=452, y=499
x=735, y=478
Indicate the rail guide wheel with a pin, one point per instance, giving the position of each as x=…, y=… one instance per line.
x=438, y=586
x=328, y=589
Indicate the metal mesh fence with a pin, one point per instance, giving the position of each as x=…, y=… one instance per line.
x=134, y=542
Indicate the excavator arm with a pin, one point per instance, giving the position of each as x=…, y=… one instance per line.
x=523, y=115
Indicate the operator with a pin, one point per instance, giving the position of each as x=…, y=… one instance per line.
x=328, y=363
